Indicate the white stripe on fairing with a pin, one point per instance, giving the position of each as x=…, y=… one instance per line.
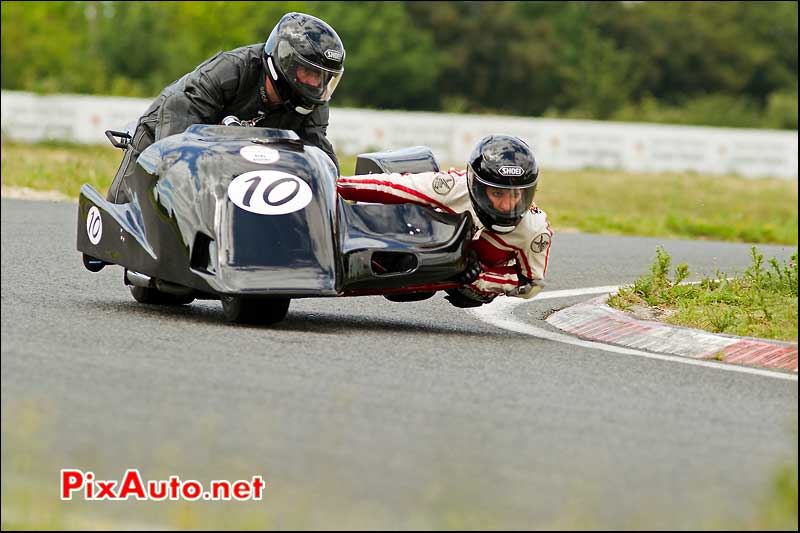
x=499, y=313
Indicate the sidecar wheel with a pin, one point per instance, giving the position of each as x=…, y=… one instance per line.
x=155, y=297
x=254, y=310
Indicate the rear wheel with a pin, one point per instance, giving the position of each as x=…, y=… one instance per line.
x=156, y=297
x=254, y=310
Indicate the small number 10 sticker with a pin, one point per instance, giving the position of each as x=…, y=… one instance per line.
x=94, y=225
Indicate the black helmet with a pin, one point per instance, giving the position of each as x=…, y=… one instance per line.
x=304, y=57
x=502, y=174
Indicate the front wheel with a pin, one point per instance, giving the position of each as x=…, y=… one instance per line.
x=254, y=310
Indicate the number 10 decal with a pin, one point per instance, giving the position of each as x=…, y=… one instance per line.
x=94, y=225
x=269, y=192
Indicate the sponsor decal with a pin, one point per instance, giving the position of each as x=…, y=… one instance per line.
x=540, y=242
x=333, y=55
x=260, y=154
x=269, y=192
x=511, y=171
x=94, y=225
x=443, y=184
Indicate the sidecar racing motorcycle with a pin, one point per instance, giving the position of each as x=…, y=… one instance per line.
x=250, y=216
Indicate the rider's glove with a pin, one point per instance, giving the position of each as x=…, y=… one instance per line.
x=472, y=270
x=466, y=297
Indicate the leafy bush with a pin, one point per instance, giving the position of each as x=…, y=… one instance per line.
x=710, y=63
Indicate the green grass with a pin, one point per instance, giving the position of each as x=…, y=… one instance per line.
x=64, y=167
x=59, y=167
x=680, y=205
x=761, y=302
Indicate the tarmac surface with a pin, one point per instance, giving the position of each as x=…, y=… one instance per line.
x=361, y=412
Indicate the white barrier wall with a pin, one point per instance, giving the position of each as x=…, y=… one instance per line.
x=559, y=144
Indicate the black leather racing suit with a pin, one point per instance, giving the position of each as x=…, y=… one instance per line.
x=229, y=83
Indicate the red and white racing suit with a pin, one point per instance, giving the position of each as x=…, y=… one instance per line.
x=525, y=251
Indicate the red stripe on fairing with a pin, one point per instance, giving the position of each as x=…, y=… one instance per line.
x=401, y=290
x=521, y=253
x=403, y=188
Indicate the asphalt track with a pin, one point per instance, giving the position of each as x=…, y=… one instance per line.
x=365, y=413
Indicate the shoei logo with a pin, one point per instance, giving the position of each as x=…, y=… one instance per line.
x=94, y=225
x=269, y=192
x=511, y=171
x=333, y=55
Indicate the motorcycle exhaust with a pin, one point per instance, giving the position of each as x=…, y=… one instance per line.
x=146, y=282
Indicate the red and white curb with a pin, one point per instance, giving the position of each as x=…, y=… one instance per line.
x=594, y=320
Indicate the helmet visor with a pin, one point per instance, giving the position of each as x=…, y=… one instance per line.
x=504, y=205
x=310, y=80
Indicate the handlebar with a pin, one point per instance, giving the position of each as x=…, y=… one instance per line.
x=123, y=144
x=231, y=120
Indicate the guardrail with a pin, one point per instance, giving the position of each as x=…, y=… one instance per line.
x=559, y=144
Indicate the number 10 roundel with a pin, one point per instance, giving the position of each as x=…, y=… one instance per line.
x=269, y=192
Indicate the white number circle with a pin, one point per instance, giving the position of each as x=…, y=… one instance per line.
x=94, y=225
x=269, y=192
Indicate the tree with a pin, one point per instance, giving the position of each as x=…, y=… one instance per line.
x=390, y=63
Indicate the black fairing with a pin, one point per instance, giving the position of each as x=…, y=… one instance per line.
x=182, y=227
x=414, y=159
x=386, y=245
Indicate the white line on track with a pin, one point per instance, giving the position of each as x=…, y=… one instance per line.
x=548, y=295
x=500, y=314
